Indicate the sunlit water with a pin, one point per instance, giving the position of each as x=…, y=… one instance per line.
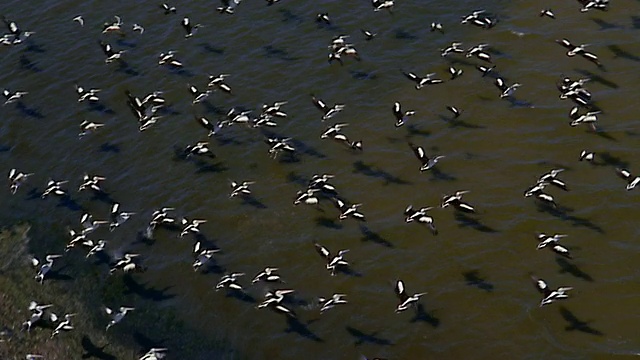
x=481, y=302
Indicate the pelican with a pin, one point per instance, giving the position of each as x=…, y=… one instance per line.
x=45, y=268
x=63, y=325
x=116, y=317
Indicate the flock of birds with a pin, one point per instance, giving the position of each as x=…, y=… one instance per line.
x=150, y=108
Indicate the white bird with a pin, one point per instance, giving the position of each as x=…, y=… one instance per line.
x=192, y=226
x=154, y=354
x=118, y=217
x=13, y=97
x=16, y=179
x=405, y=300
x=79, y=19
x=138, y=27
x=116, y=317
x=64, y=325
x=44, y=268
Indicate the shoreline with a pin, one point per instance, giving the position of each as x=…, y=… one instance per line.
x=86, y=295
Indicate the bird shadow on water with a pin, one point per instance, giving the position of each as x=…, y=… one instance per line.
x=403, y=34
x=424, y=316
x=240, y=295
x=604, y=25
x=296, y=326
x=67, y=202
x=593, y=77
x=144, y=291
x=454, y=123
x=439, y=175
x=577, y=324
x=561, y=213
x=363, y=75
x=271, y=51
x=252, y=201
x=101, y=108
x=618, y=52
x=465, y=220
x=327, y=222
x=568, y=267
x=109, y=147
x=412, y=130
x=369, y=235
x=206, y=167
x=27, y=64
x=289, y=17
x=34, y=47
x=211, y=48
x=58, y=275
x=368, y=170
x=610, y=160
x=103, y=196
x=92, y=351
x=371, y=338
x=29, y=111
x=473, y=278
x=126, y=69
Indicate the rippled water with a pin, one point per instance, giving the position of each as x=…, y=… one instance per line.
x=480, y=302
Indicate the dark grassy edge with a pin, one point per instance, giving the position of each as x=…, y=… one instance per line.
x=148, y=326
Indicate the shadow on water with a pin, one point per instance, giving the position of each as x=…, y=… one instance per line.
x=271, y=51
x=109, y=148
x=597, y=78
x=473, y=279
x=422, y=315
x=29, y=111
x=27, y=64
x=101, y=108
x=67, y=202
x=35, y=48
x=292, y=177
x=403, y=34
x=618, y=52
x=92, y=351
x=205, y=167
x=252, y=201
x=211, y=48
x=371, y=338
x=437, y=174
x=454, y=123
x=568, y=267
x=212, y=267
x=603, y=134
x=465, y=220
x=369, y=235
x=57, y=275
x=144, y=291
x=240, y=295
x=126, y=69
x=610, y=160
x=363, y=75
x=604, y=25
x=577, y=324
x=368, y=170
x=412, y=130
x=102, y=196
x=296, y=326
x=574, y=220
x=289, y=17
x=635, y=22
x=331, y=223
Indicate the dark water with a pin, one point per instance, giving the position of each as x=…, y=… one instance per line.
x=480, y=302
